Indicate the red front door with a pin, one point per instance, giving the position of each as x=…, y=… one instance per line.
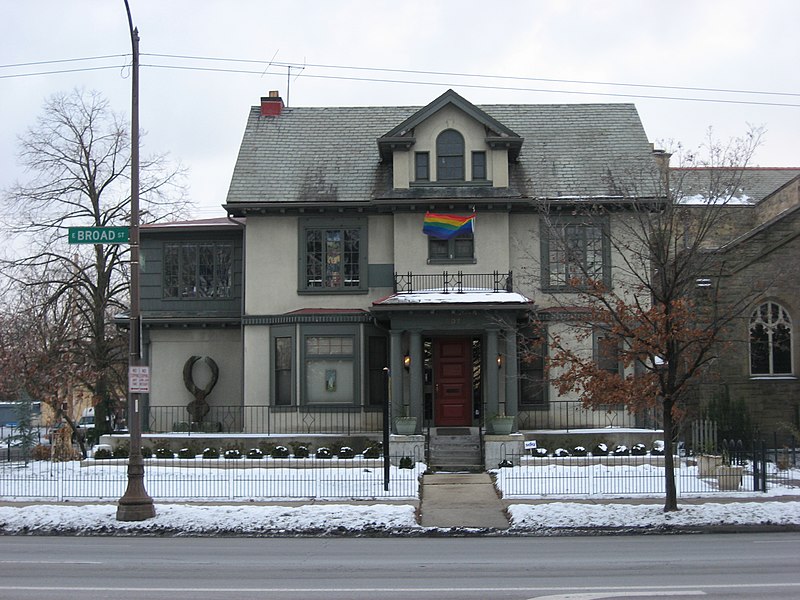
x=452, y=368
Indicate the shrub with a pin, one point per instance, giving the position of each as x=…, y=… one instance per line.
x=147, y=452
x=280, y=452
x=232, y=453
x=505, y=464
x=164, y=453
x=561, y=453
x=103, y=453
x=658, y=448
x=638, y=450
x=92, y=436
x=121, y=451
x=621, y=451
x=211, y=453
x=539, y=452
x=186, y=453
x=324, y=453
x=579, y=451
x=406, y=463
x=373, y=451
x=600, y=450
x=255, y=453
x=40, y=452
x=346, y=452
x=301, y=452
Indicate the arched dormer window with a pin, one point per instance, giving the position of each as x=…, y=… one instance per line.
x=770, y=340
x=450, y=156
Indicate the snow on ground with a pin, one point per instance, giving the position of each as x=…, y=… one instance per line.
x=236, y=519
x=356, y=519
x=580, y=516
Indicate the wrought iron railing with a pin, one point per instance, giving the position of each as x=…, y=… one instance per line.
x=570, y=414
x=265, y=419
x=453, y=283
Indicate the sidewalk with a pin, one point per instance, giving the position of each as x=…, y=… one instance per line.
x=450, y=504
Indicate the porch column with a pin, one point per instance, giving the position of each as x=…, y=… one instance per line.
x=396, y=372
x=511, y=372
x=415, y=400
x=492, y=379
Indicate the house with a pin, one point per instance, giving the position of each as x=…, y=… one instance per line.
x=756, y=245
x=321, y=297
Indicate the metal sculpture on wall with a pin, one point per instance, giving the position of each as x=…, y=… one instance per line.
x=199, y=408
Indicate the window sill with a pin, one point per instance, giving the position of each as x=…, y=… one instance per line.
x=452, y=183
x=452, y=261
x=773, y=378
x=333, y=291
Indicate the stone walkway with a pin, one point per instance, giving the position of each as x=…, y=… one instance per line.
x=462, y=500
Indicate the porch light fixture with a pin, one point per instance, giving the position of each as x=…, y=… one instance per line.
x=499, y=361
x=406, y=362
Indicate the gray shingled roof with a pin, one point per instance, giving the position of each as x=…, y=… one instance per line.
x=330, y=154
x=753, y=183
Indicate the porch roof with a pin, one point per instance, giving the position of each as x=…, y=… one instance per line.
x=431, y=299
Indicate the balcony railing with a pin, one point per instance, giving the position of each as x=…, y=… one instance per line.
x=452, y=283
x=265, y=420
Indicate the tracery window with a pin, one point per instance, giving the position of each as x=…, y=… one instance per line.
x=770, y=340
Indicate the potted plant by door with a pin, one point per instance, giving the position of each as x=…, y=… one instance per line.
x=405, y=425
x=502, y=424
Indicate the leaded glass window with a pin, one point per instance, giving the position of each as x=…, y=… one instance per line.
x=770, y=340
x=198, y=270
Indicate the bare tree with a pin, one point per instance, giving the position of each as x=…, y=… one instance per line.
x=39, y=355
x=661, y=313
x=78, y=158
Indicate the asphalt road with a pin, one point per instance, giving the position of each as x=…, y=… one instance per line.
x=730, y=566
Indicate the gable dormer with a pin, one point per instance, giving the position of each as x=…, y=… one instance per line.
x=450, y=142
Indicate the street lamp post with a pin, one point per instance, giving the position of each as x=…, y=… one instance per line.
x=135, y=504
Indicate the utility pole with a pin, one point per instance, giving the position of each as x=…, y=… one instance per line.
x=135, y=504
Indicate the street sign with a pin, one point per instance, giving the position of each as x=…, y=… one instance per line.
x=99, y=235
x=139, y=380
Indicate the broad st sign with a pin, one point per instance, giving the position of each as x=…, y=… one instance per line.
x=99, y=235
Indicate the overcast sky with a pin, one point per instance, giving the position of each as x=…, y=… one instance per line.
x=198, y=115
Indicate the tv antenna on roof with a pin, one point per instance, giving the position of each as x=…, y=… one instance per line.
x=289, y=77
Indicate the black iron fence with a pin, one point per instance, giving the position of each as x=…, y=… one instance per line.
x=741, y=468
x=569, y=414
x=265, y=419
x=235, y=479
x=453, y=283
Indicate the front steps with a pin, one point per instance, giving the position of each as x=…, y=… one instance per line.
x=455, y=449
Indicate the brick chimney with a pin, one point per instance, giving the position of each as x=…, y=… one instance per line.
x=272, y=105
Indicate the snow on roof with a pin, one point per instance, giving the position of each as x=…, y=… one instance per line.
x=468, y=296
x=701, y=199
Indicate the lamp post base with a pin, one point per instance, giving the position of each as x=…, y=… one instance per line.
x=135, y=504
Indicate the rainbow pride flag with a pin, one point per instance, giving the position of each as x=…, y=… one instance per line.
x=447, y=226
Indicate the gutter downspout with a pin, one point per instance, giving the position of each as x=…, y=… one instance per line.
x=242, y=226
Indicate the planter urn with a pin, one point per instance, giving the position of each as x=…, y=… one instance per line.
x=405, y=425
x=729, y=477
x=502, y=425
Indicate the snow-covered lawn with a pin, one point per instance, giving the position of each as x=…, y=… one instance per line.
x=643, y=480
x=358, y=519
x=215, y=479
x=572, y=515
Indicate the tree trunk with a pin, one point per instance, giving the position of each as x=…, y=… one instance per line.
x=670, y=491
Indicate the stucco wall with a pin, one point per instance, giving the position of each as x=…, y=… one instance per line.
x=169, y=349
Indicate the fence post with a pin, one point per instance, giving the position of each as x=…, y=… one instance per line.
x=756, y=468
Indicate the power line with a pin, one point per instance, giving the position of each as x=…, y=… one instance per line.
x=63, y=60
x=487, y=87
x=290, y=65
x=59, y=72
x=475, y=75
